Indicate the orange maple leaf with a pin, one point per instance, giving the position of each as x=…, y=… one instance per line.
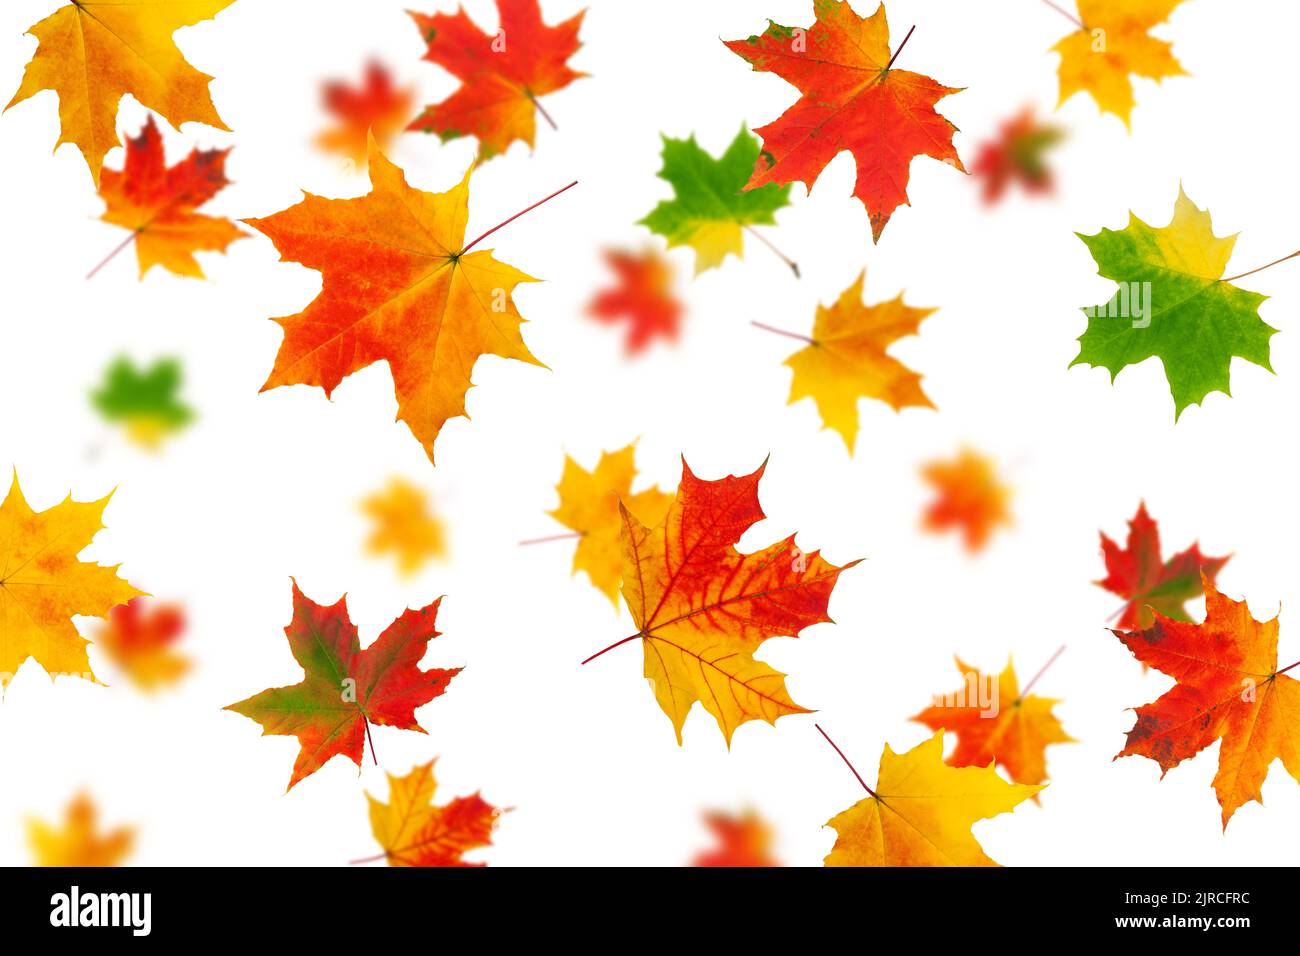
x=852, y=99
x=414, y=832
x=399, y=285
x=501, y=76
x=377, y=107
x=996, y=721
x=643, y=298
x=78, y=842
x=744, y=840
x=703, y=609
x=140, y=638
x=971, y=497
x=1229, y=688
x=157, y=203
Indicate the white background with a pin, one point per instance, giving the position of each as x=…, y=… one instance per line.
x=266, y=486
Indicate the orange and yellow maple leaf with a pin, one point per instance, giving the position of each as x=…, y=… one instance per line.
x=379, y=108
x=404, y=526
x=743, y=840
x=414, y=832
x=78, y=842
x=140, y=637
x=970, y=497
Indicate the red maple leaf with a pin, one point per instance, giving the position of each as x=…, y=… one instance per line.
x=643, y=298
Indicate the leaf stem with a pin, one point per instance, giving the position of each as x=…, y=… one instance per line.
x=1285, y=669
x=516, y=216
x=794, y=266
x=1067, y=14
x=371, y=739
x=552, y=537
x=1024, y=691
x=369, y=859
x=846, y=761
x=1261, y=268
x=789, y=335
x=542, y=109
x=614, y=645
x=113, y=255
x=887, y=66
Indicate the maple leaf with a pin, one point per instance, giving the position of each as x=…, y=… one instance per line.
x=1017, y=155
x=742, y=841
x=921, y=810
x=43, y=585
x=995, y=721
x=404, y=526
x=1173, y=304
x=158, y=204
x=1228, y=688
x=703, y=608
x=1138, y=574
x=845, y=360
x=398, y=285
x=414, y=832
x=1113, y=41
x=378, y=107
x=143, y=400
x=140, y=637
x=78, y=842
x=852, y=99
x=502, y=76
x=346, y=689
x=643, y=299
x=710, y=206
x=970, y=497
x=92, y=52
x=589, y=505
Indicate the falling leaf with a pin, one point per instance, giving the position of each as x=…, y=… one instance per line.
x=1173, y=304
x=709, y=207
x=43, y=585
x=414, y=832
x=404, y=526
x=502, y=76
x=346, y=689
x=852, y=99
x=1017, y=155
x=994, y=722
x=643, y=299
x=1114, y=41
x=921, y=811
x=78, y=842
x=846, y=359
x=378, y=107
x=1228, y=688
x=143, y=400
x=398, y=286
x=92, y=52
x=743, y=840
x=140, y=638
x=1138, y=574
x=702, y=608
x=970, y=497
x=157, y=203
x=589, y=505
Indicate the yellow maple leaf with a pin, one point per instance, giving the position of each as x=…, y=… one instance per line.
x=92, y=52
x=846, y=360
x=78, y=842
x=414, y=832
x=589, y=503
x=404, y=526
x=1113, y=42
x=43, y=585
x=921, y=810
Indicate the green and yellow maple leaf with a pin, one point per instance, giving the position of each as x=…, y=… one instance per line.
x=143, y=399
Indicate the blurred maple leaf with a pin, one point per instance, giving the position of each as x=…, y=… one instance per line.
x=414, y=832
x=970, y=497
x=78, y=842
x=143, y=400
x=157, y=203
x=377, y=107
x=643, y=299
x=139, y=637
x=743, y=841
x=92, y=52
x=345, y=689
x=852, y=98
x=502, y=76
x=1017, y=155
x=404, y=526
x=1138, y=574
x=1229, y=689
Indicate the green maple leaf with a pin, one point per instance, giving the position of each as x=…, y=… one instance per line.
x=144, y=400
x=710, y=206
x=1172, y=304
